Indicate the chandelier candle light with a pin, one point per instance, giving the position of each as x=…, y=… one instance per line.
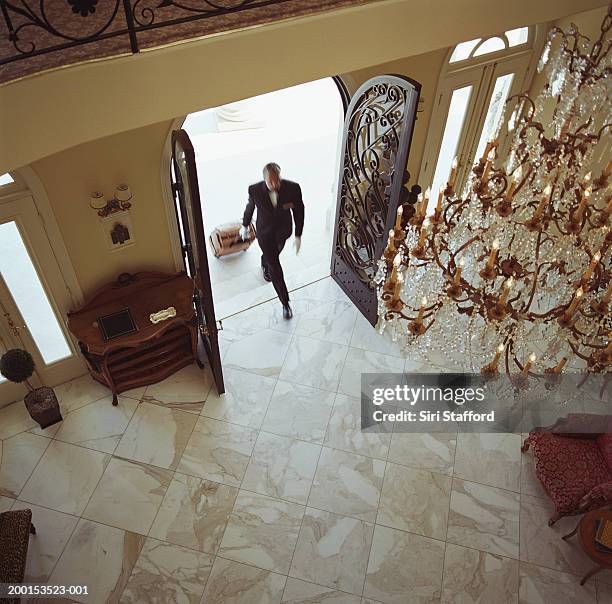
x=518, y=265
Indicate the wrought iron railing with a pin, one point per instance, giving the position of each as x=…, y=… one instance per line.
x=71, y=31
x=120, y=18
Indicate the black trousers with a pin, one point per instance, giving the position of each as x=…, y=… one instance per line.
x=271, y=246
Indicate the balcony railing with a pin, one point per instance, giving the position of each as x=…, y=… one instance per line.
x=36, y=35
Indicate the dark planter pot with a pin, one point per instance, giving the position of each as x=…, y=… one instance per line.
x=43, y=407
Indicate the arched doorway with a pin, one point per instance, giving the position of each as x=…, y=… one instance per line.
x=300, y=128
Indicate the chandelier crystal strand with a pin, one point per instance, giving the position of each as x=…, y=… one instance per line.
x=514, y=273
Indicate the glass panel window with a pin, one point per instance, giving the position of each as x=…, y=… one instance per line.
x=490, y=45
x=6, y=179
x=517, y=36
x=494, y=112
x=29, y=295
x=457, y=112
x=462, y=51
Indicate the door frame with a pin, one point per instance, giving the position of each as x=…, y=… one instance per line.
x=346, y=86
x=20, y=207
x=27, y=182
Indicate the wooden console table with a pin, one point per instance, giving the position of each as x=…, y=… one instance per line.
x=155, y=350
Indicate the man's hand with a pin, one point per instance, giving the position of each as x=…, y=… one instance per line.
x=243, y=233
x=297, y=243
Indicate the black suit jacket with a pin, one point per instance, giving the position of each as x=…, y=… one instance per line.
x=275, y=221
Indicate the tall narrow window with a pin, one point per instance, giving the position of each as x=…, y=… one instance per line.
x=479, y=77
x=495, y=111
x=27, y=291
x=452, y=131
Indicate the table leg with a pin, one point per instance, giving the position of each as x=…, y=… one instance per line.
x=570, y=535
x=592, y=572
x=115, y=400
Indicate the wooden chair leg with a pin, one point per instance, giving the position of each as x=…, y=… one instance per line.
x=525, y=446
x=32, y=529
x=556, y=516
x=592, y=572
x=570, y=535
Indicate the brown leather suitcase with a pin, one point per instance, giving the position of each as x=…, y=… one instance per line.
x=225, y=239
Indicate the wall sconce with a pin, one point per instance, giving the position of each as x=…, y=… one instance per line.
x=115, y=217
x=120, y=202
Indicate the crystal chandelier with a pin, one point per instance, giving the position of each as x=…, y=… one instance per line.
x=514, y=272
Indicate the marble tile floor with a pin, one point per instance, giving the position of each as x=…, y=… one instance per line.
x=272, y=494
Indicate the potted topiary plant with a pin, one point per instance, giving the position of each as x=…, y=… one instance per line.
x=17, y=366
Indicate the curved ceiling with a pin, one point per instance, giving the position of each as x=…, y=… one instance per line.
x=56, y=110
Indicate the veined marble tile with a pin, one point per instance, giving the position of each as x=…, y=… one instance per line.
x=78, y=392
x=473, y=576
x=281, y=467
x=245, y=400
x=238, y=285
x=156, y=435
x=344, y=430
x=427, y=451
x=6, y=503
x=186, y=389
x=365, y=361
x=493, y=459
x=604, y=594
x=135, y=393
x=262, y=531
x=321, y=290
x=194, y=513
x=415, y=500
x=530, y=483
x=167, y=573
x=313, y=363
x=259, y=318
x=331, y=321
x=402, y=563
x=234, y=583
x=49, y=432
x=18, y=457
x=299, y=411
x=262, y=353
x=332, y=550
x=99, y=556
x=301, y=592
x=484, y=518
x=367, y=337
x=65, y=477
x=128, y=495
x=14, y=419
x=98, y=425
x=346, y=483
x=539, y=585
x=541, y=544
x=53, y=529
x=218, y=451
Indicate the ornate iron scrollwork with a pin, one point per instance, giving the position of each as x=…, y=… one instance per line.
x=377, y=135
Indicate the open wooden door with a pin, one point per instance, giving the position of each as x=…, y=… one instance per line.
x=377, y=135
x=193, y=241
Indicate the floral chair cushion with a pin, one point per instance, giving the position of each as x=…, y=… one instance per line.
x=568, y=468
x=604, y=442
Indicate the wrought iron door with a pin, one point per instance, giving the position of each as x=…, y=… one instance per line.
x=377, y=135
x=193, y=241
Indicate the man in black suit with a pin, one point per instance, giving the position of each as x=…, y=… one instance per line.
x=275, y=200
